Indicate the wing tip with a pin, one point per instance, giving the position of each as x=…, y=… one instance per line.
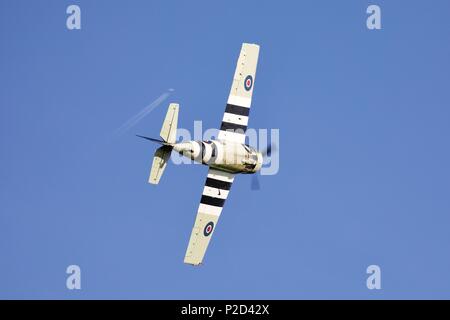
x=192, y=261
x=251, y=44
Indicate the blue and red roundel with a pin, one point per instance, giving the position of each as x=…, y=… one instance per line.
x=208, y=229
x=248, y=83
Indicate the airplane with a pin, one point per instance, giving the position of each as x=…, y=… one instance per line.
x=226, y=156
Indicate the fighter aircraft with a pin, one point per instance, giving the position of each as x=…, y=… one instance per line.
x=226, y=157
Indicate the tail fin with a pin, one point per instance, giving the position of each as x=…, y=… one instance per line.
x=169, y=129
x=160, y=159
x=168, y=134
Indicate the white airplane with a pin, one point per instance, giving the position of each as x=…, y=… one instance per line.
x=225, y=157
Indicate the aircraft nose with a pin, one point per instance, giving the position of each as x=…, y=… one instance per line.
x=259, y=162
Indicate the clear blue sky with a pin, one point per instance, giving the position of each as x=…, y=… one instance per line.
x=364, y=148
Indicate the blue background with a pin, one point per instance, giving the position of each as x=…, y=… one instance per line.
x=364, y=149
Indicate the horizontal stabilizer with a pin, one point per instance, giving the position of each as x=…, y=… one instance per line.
x=169, y=129
x=160, y=159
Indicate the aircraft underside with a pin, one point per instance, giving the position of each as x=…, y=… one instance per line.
x=223, y=155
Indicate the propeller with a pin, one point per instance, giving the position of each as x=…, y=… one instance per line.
x=268, y=151
x=255, y=184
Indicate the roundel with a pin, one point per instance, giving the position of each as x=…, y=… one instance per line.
x=248, y=83
x=208, y=229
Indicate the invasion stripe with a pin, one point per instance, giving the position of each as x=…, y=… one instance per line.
x=232, y=126
x=231, y=136
x=242, y=111
x=235, y=118
x=216, y=202
x=210, y=182
x=215, y=193
x=239, y=101
x=219, y=174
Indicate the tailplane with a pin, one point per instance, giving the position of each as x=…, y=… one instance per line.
x=169, y=129
x=168, y=134
x=160, y=159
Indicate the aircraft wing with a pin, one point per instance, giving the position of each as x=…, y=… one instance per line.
x=239, y=101
x=215, y=192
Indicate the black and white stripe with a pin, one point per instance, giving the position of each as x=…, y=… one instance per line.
x=212, y=201
x=235, y=119
x=215, y=192
x=233, y=127
x=218, y=184
x=237, y=110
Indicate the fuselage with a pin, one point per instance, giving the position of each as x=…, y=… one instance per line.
x=224, y=155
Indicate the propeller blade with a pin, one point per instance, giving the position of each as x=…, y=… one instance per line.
x=255, y=185
x=268, y=151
